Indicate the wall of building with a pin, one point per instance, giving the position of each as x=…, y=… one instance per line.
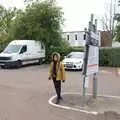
x=75, y=38
x=105, y=39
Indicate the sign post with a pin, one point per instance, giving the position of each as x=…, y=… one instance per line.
x=91, y=59
x=94, y=85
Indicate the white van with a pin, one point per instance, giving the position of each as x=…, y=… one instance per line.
x=21, y=52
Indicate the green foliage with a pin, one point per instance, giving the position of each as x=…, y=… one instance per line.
x=117, y=29
x=77, y=49
x=6, y=18
x=63, y=49
x=117, y=38
x=41, y=20
x=110, y=57
x=107, y=56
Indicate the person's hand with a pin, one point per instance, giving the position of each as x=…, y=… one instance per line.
x=49, y=78
x=63, y=81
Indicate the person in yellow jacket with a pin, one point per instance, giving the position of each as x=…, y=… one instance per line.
x=57, y=74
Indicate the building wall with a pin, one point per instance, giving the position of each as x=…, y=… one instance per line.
x=105, y=39
x=75, y=38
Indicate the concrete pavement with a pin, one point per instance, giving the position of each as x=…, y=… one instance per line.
x=24, y=93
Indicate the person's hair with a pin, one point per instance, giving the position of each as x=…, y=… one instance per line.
x=54, y=56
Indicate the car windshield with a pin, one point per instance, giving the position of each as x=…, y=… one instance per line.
x=12, y=49
x=76, y=55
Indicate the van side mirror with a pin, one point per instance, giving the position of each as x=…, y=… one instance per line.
x=84, y=37
x=24, y=49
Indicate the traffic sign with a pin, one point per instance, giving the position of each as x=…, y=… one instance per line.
x=94, y=39
x=93, y=60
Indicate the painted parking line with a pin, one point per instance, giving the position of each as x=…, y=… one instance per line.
x=75, y=109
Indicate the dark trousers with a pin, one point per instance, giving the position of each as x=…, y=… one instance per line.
x=57, y=85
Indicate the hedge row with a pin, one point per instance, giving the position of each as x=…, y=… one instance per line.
x=107, y=56
x=63, y=51
x=110, y=57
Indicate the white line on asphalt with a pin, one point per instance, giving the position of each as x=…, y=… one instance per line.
x=75, y=109
x=109, y=96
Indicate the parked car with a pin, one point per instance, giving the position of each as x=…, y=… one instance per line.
x=21, y=52
x=74, y=61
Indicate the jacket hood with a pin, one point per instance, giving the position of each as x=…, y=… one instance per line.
x=58, y=55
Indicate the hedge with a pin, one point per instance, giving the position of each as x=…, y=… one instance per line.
x=107, y=56
x=63, y=51
x=110, y=57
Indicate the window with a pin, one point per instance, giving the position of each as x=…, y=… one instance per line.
x=12, y=49
x=76, y=37
x=24, y=49
x=68, y=37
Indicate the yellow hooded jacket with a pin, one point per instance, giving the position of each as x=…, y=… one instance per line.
x=59, y=69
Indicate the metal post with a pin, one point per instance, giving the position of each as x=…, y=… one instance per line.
x=84, y=72
x=94, y=85
x=84, y=91
x=92, y=28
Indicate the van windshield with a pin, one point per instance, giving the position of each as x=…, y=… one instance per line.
x=12, y=49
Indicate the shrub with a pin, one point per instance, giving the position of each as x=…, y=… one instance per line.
x=109, y=57
x=63, y=50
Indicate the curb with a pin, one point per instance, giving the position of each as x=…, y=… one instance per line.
x=75, y=109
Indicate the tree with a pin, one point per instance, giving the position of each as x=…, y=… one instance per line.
x=6, y=17
x=108, y=20
x=117, y=30
x=41, y=20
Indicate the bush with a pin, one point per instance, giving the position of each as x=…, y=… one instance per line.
x=107, y=56
x=63, y=50
x=110, y=57
x=77, y=49
x=52, y=49
x=2, y=46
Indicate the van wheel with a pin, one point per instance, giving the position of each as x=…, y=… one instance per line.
x=40, y=61
x=3, y=67
x=19, y=63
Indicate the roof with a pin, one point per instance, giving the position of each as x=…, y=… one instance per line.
x=23, y=42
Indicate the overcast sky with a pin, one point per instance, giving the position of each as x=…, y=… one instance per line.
x=76, y=12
